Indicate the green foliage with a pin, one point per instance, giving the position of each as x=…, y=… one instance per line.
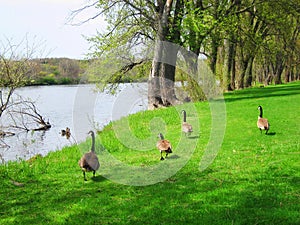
x=127, y=25
x=52, y=71
x=263, y=35
x=115, y=67
x=13, y=73
x=191, y=86
x=48, y=79
x=65, y=80
x=254, y=179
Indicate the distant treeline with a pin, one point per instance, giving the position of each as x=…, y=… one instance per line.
x=57, y=71
x=50, y=71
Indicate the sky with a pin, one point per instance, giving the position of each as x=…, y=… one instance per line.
x=46, y=21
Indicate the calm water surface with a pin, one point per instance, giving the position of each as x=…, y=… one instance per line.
x=80, y=107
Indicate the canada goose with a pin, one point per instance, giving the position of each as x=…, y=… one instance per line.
x=163, y=146
x=66, y=132
x=186, y=127
x=262, y=123
x=89, y=161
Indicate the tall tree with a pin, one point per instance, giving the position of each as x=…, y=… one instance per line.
x=132, y=25
x=238, y=37
x=162, y=76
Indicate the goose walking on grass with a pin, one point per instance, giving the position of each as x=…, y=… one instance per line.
x=89, y=161
x=262, y=123
x=163, y=146
x=186, y=127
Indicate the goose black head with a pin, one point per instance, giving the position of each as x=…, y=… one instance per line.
x=160, y=135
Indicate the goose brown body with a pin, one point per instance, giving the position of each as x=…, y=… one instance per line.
x=66, y=132
x=163, y=146
x=186, y=127
x=262, y=123
x=89, y=161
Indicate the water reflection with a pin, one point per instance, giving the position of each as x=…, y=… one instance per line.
x=64, y=108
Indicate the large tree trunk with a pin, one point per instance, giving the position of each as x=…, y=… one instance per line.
x=277, y=68
x=161, y=82
x=161, y=91
x=229, y=66
x=277, y=75
x=214, y=41
x=154, y=96
x=214, y=56
x=240, y=82
x=246, y=63
x=249, y=77
x=233, y=70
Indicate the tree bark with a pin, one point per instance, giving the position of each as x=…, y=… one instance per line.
x=248, y=73
x=161, y=80
x=229, y=66
x=233, y=72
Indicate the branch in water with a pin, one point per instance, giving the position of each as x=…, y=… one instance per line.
x=25, y=116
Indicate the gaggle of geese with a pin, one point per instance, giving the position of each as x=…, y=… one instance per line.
x=89, y=161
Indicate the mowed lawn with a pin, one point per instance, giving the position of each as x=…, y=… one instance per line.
x=225, y=172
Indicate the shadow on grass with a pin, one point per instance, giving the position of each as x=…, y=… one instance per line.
x=269, y=197
x=173, y=157
x=286, y=90
x=98, y=178
x=194, y=137
x=268, y=134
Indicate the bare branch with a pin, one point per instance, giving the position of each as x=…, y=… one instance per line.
x=130, y=66
x=76, y=12
x=140, y=10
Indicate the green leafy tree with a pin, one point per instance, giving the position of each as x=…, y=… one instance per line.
x=239, y=38
x=136, y=25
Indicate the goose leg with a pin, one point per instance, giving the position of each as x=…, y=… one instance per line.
x=84, y=175
x=94, y=173
x=161, y=157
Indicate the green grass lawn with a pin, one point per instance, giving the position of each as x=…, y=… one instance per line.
x=253, y=179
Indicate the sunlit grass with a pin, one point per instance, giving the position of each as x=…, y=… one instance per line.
x=254, y=179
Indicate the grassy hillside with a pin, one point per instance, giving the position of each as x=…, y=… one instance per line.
x=254, y=178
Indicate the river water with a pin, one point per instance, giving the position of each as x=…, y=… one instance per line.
x=79, y=107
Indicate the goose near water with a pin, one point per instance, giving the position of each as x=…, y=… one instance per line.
x=89, y=161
